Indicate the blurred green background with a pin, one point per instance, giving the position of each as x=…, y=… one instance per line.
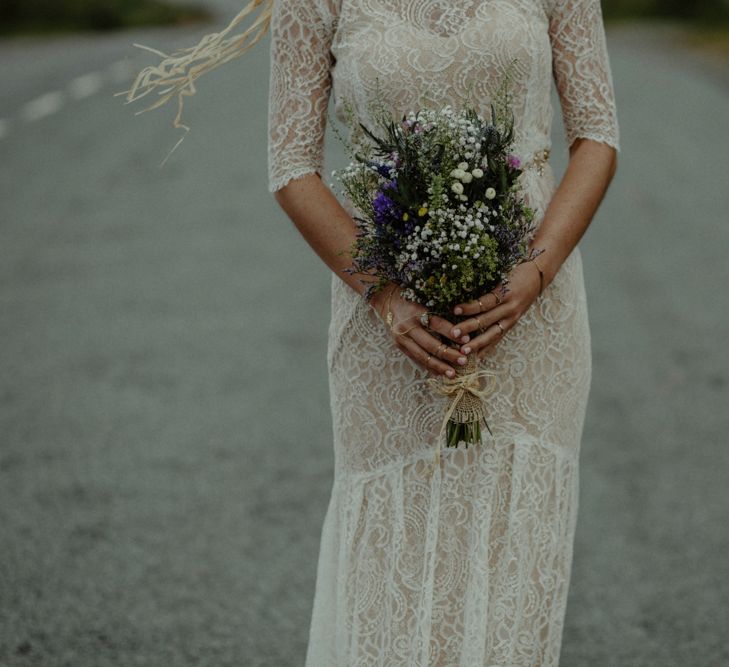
x=62, y=15
x=700, y=11
x=30, y=16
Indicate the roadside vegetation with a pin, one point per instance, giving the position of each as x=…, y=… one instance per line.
x=697, y=12
x=706, y=21
x=53, y=16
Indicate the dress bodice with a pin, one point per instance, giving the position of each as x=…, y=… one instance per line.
x=415, y=53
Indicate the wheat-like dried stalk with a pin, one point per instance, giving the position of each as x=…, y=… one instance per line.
x=177, y=73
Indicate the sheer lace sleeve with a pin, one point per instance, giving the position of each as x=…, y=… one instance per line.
x=581, y=68
x=299, y=86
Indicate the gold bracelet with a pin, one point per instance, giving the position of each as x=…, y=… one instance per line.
x=389, y=317
x=541, y=275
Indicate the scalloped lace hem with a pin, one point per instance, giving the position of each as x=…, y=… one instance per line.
x=595, y=136
x=275, y=184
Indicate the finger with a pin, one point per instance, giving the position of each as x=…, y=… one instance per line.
x=491, y=335
x=483, y=304
x=425, y=359
x=483, y=321
x=443, y=351
x=446, y=328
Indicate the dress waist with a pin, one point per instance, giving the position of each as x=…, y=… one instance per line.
x=537, y=161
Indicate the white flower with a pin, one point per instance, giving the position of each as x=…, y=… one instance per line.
x=458, y=173
x=490, y=193
x=463, y=165
x=466, y=178
x=477, y=173
x=463, y=197
x=458, y=188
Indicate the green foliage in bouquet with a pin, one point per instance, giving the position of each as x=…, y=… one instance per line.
x=441, y=210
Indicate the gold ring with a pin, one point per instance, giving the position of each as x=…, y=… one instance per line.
x=427, y=362
x=480, y=304
x=498, y=324
x=425, y=319
x=437, y=352
x=498, y=298
x=390, y=320
x=480, y=326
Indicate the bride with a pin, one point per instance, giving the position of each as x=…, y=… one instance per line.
x=469, y=566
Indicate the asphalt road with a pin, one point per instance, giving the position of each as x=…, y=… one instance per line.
x=165, y=439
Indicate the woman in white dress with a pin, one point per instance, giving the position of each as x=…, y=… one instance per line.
x=469, y=566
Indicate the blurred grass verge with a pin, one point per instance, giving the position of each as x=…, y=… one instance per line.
x=19, y=17
x=693, y=11
x=706, y=21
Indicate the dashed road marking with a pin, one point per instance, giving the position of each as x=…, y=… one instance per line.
x=85, y=85
x=79, y=88
x=120, y=71
x=42, y=106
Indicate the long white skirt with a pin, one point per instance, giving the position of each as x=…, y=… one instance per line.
x=471, y=566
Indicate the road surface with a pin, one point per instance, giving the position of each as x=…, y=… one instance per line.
x=165, y=440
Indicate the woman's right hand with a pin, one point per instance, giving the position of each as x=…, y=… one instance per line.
x=413, y=339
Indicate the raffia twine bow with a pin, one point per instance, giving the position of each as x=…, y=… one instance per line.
x=468, y=398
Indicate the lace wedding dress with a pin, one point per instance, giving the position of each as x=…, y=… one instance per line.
x=469, y=567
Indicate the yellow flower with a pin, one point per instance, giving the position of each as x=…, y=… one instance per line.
x=422, y=211
x=405, y=216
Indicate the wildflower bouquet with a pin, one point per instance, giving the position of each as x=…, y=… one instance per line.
x=441, y=216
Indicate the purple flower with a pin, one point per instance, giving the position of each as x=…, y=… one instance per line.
x=386, y=211
x=513, y=161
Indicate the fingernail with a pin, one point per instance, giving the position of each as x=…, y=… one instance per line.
x=462, y=360
x=466, y=350
x=465, y=339
x=458, y=310
x=450, y=373
x=456, y=332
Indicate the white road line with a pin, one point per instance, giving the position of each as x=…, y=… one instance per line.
x=85, y=85
x=120, y=71
x=42, y=106
x=4, y=128
x=82, y=86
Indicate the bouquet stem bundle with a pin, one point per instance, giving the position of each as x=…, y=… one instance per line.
x=467, y=409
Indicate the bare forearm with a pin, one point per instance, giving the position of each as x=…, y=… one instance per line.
x=323, y=222
x=591, y=168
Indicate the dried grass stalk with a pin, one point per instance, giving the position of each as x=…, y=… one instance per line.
x=177, y=73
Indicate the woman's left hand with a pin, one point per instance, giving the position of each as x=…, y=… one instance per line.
x=491, y=316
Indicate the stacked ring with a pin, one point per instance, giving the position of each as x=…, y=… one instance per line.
x=425, y=318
